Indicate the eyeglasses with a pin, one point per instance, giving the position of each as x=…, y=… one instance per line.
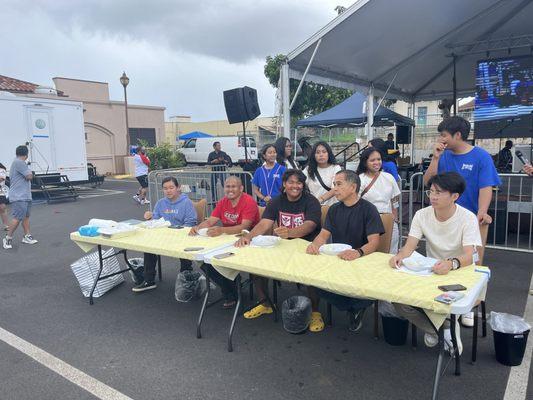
x=434, y=193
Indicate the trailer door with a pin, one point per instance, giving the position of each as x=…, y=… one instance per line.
x=41, y=140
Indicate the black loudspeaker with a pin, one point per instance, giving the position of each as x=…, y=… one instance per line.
x=403, y=134
x=241, y=104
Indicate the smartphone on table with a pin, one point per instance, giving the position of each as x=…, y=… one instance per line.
x=452, y=288
x=223, y=255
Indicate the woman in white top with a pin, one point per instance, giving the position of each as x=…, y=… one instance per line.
x=285, y=153
x=380, y=189
x=320, y=173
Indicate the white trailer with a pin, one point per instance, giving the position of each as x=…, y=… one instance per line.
x=52, y=129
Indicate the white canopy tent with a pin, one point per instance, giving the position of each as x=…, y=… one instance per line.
x=403, y=48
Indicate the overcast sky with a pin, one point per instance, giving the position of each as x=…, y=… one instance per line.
x=180, y=54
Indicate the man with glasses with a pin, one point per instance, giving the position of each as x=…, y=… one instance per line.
x=453, y=153
x=452, y=235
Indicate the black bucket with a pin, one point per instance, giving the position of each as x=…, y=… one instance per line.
x=510, y=347
x=395, y=330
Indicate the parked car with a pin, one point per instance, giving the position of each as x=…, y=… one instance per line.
x=197, y=150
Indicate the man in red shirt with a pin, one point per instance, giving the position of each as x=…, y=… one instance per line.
x=234, y=212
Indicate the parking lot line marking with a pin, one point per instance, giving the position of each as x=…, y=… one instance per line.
x=519, y=376
x=67, y=371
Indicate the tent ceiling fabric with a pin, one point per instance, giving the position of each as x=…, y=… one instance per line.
x=405, y=42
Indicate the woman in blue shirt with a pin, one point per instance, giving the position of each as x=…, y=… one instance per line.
x=267, y=179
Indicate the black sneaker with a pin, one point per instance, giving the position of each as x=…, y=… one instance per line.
x=144, y=286
x=355, y=319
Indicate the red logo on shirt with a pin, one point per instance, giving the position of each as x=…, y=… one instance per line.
x=291, y=220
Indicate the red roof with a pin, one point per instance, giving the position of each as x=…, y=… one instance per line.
x=16, y=85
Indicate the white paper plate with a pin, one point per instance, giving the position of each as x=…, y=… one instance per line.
x=203, y=232
x=265, y=241
x=333, y=249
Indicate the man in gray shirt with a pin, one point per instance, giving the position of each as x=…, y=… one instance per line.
x=20, y=197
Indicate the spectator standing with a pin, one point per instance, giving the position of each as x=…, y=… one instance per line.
x=379, y=188
x=285, y=155
x=218, y=160
x=267, y=179
x=505, y=158
x=142, y=163
x=320, y=173
x=20, y=198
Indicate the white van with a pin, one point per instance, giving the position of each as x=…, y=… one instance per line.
x=197, y=150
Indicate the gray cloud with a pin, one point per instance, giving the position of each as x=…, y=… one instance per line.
x=178, y=54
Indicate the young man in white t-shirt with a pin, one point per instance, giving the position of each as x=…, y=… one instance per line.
x=452, y=235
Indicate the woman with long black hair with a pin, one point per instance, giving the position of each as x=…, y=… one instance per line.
x=285, y=155
x=321, y=172
x=380, y=188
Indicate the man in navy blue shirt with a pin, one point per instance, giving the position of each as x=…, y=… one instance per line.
x=452, y=153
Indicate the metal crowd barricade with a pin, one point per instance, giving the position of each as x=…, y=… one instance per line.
x=511, y=210
x=197, y=183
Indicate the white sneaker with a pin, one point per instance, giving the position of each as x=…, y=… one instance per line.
x=143, y=202
x=468, y=319
x=448, y=344
x=7, y=243
x=137, y=199
x=431, y=339
x=28, y=239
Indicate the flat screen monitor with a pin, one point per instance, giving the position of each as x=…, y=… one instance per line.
x=504, y=97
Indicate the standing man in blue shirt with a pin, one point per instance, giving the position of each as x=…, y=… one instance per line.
x=452, y=153
x=20, y=198
x=176, y=208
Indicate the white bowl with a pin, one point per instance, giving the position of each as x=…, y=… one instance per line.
x=265, y=241
x=203, y=231
x=416, y=265
x=333, y=249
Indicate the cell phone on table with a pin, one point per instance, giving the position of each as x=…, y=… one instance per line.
x=449, y=297
x=193, y=248
x=452, y=288
x=223, y=255
x=176, y=227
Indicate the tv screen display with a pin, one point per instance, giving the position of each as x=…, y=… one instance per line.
x=504, y=97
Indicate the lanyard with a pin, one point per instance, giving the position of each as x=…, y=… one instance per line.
x=266, y=177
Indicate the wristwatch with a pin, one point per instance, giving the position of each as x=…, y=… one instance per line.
x=456, y=264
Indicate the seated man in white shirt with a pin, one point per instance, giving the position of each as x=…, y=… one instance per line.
x=452, y=235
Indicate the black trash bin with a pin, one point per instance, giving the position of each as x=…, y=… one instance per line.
x=395, y=330
x=510, y=347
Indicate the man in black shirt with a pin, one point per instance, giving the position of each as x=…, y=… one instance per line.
x=352, y=221
x=295, y=213
x=505, y=158
x=218, y=161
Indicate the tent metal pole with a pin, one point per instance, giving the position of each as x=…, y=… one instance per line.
x=370, y=113
x=454, y=85
x=305, y=74
x=285, y=100
x=413, y=134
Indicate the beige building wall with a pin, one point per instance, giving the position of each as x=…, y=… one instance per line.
x=105, y=122
x=179, y=126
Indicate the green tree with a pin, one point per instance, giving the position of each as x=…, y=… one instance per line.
x=163, y=156
x=313, y=98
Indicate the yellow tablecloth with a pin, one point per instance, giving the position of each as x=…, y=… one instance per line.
x=161, y=241
x=369, y=277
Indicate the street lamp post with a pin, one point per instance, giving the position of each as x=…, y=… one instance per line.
x=125, y=80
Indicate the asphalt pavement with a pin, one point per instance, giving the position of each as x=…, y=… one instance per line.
x=145, y=345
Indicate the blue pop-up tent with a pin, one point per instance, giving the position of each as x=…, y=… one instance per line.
x=352, y=112
x=194, y=135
